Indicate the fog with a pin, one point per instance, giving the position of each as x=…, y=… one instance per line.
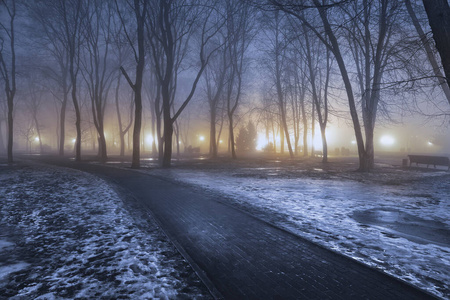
x=207, y=149
x=259, y=68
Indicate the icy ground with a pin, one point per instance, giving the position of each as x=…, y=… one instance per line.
x=394, y=219
x=65, y=234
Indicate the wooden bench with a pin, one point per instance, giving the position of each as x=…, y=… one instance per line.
x=429, y=160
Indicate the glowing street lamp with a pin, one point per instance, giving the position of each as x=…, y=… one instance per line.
x=387, y=140
x=201, y=138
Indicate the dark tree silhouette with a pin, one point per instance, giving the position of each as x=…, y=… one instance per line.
x=8, y=65
x=438, y=12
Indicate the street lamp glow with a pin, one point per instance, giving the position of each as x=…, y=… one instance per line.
x=36, y=139
x=201, y=138
x=387, y=140
x=149, y=139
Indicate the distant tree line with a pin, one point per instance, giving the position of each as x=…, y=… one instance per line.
x=280, y=66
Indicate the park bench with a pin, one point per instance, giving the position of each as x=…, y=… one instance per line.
x=429, y=160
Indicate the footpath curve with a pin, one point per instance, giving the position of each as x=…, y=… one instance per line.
x=239, y=256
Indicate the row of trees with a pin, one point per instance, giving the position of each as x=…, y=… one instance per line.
x=305, y=53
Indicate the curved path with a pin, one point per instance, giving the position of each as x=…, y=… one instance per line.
x=241, y=257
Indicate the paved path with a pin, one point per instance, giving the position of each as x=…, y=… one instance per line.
x=242, y=257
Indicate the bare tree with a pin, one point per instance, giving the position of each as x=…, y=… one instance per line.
x=139, y=8
x=215, y=80
x=319, y=85
x=429, y=51
x=280, y=68
x=3, y=118
x=438, y=12
x=124, y=127
x=51, y=37
x=8, y=65
x=372, y=38
x=121, y=53
x=71, y=14
x=96, y=70
x=172, y=25
x=33, y=104
x=240, y=30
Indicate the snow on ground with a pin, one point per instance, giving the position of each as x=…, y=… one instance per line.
x=396, y=220
x=65, y=234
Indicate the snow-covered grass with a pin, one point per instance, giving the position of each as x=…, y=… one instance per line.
x=394, y=219
x=65, y=234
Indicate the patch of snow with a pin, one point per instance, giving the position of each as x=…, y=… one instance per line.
x=75, y=238
x=6, y=270
x=5, y=244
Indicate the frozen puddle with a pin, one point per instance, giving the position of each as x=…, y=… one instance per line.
x=401, y=224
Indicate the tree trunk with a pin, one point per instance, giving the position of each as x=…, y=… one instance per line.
x=168, y=136
x=363, y=160
x=77, y=119
x=313, y=128
x=10, y=129
x=62, y=125
x=39, y=134
x=2, y=144
x=212, y=134
x=305, y=128
x=136, y=159
x=140, y=18
x=122, y=143
x=438, y=12
x=102, y=144
x=231, y=134
x=324, y=144
x=423, y=38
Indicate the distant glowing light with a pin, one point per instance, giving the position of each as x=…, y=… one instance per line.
x=74, y=140
x=317, y=140
x=220, y=141
x=201, y=138
x=353, y=142
x=149, y=139
x=387, y=140
x=36, y=139
x=330, y=134
x=261, y=142
x=430, y=143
